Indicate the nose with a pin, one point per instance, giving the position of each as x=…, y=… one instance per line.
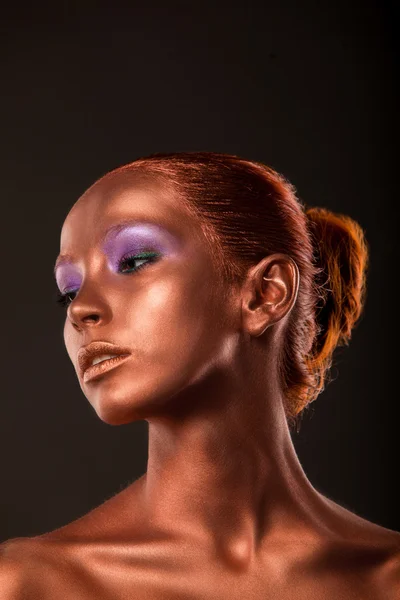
x=88, y=309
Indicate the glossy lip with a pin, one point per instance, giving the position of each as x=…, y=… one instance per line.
x=87, y=353
x=103, y=367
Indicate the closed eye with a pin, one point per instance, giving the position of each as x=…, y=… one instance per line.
x=65, y=298
x=143, y=259
x=126, y=266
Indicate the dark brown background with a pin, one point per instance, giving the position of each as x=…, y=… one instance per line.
x=307, y=87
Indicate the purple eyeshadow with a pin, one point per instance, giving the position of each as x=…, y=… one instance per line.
x=121, y=241
x=67, y=277
x=127, y=240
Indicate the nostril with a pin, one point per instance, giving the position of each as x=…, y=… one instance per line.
x=92, y=317
x=89, y=319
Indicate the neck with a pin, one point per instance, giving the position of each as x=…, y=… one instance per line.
x=222, y=467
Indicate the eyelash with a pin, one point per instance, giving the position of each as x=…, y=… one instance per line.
x=65, y=300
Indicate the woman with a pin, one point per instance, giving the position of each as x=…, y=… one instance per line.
x=202, y=296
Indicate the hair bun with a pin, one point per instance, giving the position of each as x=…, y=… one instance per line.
x=341, y=256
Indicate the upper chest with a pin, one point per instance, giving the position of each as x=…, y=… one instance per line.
x=155, y=572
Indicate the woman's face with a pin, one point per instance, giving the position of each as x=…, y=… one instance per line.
x=140, y=276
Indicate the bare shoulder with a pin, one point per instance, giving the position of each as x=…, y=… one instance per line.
x=15, y=563
x=388, y=576
x=374, y=551
x=53, y=565
x=11, y=574
x=31, y=567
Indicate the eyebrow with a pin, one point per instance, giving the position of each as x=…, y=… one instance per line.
x=61, y=259
x=112, y=230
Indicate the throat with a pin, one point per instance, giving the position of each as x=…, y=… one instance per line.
x=237, y=552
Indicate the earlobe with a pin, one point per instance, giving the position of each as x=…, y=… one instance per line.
x=270, y=293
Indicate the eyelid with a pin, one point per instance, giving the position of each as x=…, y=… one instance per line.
x=146, y=254
x=139, y=255
x=137, y=237
x=153, y=234
x=140, y=229
x=151, y=256
x=169, y=245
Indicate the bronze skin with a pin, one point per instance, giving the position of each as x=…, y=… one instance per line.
x=225, y=510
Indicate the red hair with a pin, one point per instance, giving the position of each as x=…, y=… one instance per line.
x=247, y=210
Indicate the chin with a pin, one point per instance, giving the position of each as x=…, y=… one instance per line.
x=113, y=418
x=115, y=409
x=123, y=402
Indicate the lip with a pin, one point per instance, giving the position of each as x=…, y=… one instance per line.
x=87, y=353
x=103, y=367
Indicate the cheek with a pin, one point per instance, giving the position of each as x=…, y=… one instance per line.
x=70, y=341
x=172, y=321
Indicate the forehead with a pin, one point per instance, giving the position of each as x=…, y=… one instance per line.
x=115, y=200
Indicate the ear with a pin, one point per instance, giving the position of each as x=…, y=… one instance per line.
x=269, y=292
